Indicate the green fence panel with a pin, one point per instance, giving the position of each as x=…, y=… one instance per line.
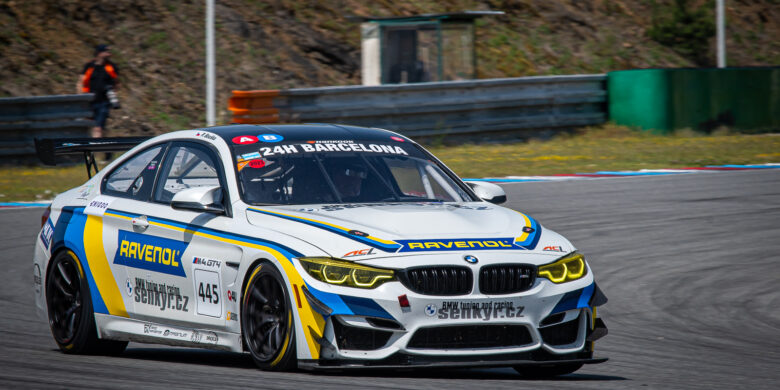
x=663, y=100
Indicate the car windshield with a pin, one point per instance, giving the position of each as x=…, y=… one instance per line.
x=341, y=172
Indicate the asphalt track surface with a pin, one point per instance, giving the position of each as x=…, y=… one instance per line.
x=689, y=263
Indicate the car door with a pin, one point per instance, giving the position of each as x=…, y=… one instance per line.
x=122, y=190
x=186, y=278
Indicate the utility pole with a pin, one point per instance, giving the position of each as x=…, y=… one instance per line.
x=721, y=27
x=210, y=78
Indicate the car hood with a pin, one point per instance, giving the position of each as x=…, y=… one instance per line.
x=365, y=231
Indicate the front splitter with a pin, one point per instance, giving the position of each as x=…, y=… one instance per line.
x=407, y=361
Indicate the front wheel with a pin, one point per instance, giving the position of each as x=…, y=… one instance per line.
x=267, y=320
x=546, y=371
x=71, y=318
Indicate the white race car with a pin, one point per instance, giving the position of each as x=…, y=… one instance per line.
x=311, y=246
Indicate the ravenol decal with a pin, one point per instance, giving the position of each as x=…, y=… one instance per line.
x=456, y=244
x=526, y=241
x=150, y=253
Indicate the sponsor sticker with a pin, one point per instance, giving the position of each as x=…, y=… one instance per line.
x=98, y=205
x=232, y=316
x=270, y=137
x=449, y=244
x=204, y=337
x=46, y=233
x=267, y=151
x=152, y=329
x=551, y=248
x=485, y=311
x=430, y=310
x=231, y=295
x=256, y=163
x=361, y=252
x=37, y=281
x=206, y=135
x=244, y=139
x=150, y=253
x=249, y=156
x=209, y=263
x=160, y=295
x=84, y=191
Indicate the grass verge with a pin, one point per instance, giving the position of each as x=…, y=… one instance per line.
x=607, y=148
x=600, y=148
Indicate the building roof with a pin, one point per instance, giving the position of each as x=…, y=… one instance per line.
x=452, y=16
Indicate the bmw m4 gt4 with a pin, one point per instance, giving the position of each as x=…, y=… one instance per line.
x=311, y=246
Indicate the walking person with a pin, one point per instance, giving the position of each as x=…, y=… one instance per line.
x=100, y=77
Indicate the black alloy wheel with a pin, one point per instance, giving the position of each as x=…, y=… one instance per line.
x=267, y=320
x=69, y=303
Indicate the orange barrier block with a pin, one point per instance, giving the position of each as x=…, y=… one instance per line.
x=254, y=107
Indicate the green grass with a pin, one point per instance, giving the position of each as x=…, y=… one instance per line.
x=38, y=183
x=606, y=147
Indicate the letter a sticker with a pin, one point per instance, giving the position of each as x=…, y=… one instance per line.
x=244, y=139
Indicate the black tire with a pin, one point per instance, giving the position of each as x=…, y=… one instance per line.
x=267, y=322
x=547, y=371
x=71, y=318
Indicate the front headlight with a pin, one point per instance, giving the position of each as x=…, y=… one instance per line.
x=570, y=267
x=345, y=273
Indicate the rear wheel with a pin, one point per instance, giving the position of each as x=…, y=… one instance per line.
x=267, y=320
x=547, y=371
x=69, y=303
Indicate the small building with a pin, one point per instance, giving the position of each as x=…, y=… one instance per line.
x=414, y=49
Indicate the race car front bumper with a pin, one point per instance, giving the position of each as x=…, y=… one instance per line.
x=546, y=324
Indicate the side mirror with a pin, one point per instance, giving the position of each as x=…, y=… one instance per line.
x=488, y=192
x=203, y=199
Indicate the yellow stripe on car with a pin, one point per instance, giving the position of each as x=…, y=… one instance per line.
x=100, y=268
x=308, y=317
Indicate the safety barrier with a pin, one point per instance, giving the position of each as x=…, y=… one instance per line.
x=22, y=119
x=437, y=108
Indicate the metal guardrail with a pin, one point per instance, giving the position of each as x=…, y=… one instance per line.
x=22, y=119
x=438, y=108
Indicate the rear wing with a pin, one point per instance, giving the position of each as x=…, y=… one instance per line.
x=47, y=149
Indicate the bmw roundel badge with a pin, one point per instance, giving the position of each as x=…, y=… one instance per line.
x=471, y=259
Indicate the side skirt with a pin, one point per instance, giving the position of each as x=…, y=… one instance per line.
x=128, y=329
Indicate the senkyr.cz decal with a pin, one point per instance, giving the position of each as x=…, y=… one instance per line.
x=159, y=295
x=150, y=253
x=485, y=311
